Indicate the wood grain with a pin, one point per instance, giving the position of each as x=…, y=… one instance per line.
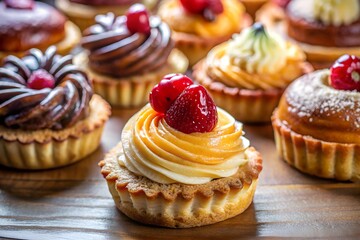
x=74, y=203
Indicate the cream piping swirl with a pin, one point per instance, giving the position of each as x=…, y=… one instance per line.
x=155, y=150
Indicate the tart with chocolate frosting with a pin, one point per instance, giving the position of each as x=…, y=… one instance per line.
x=124, y=65
x=31, y=24
x=47, y=104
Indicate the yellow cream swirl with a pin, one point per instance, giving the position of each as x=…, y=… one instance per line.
x=155, y=150
x=226, y=23
x=336, y=12
x=255, y=60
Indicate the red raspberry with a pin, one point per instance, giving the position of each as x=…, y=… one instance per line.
x=19, y=4
x=40, y=79
x=137, y=19
x=194, y=6
x=345, y=73
x=193, y=111
x=282, y=3
x=216, y=6
x=165, y=93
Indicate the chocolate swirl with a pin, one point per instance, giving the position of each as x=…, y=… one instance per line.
x=30, y=109
x=116, y=52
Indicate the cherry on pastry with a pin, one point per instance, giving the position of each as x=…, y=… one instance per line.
x=40, y=79
x=193, y=111
x=165, y=93
x=194, y=6
x=19, y=4
x=137, y=19
x=282, y=3
x=208, y=8
x=345, y=73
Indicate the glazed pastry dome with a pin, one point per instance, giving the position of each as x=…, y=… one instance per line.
x=31, y=109
x=22, y=29
x=311, y=107
x=255, y=59
x=116, y=52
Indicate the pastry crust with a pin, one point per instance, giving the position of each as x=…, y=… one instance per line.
x=179, y=205
x=84, y=15
x=131, y=91
x=255, y=106
x=64, y=47
x=316, y=157
x=42, y=149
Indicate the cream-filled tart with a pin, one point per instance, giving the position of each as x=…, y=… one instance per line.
x=248, y=74
x=179, y=175
x=49, y=116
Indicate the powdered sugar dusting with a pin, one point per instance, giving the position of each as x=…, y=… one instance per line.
x=312, y=96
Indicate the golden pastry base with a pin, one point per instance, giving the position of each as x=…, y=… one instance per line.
x=44, y=149
x=180, y=205
x=316, y=157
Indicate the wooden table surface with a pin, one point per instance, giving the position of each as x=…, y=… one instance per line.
x=74, y=203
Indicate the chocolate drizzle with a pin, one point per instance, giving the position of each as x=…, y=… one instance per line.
x=30, y=109
x=116, y=52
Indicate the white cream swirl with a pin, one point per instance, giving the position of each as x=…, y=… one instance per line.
x=155, y=150
x=329, y=12
x=257, y=50
x=336, y=12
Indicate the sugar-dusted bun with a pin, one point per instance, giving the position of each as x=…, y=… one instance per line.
x=317, y=128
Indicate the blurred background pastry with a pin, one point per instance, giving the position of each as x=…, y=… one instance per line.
x=28, y=24
x=83, y=12
x=200, y=25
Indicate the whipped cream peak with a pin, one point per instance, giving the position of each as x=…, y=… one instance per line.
x=336, y=12
x=257, y=50
x=329, y=12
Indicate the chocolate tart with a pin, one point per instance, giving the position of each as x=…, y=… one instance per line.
x=49, y=127
x=124, y=66
x=179, y=205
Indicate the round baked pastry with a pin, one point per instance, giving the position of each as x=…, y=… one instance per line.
x=247, y=75
x=28, y=24
x=317, y=123
x=182, y=170
x=197, y=29
x=83, y=12
x=125, y=64
x=324, y=29
x=48, y=114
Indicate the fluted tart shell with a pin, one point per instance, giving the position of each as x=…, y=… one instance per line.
x=44, y=149
x=180, y=205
